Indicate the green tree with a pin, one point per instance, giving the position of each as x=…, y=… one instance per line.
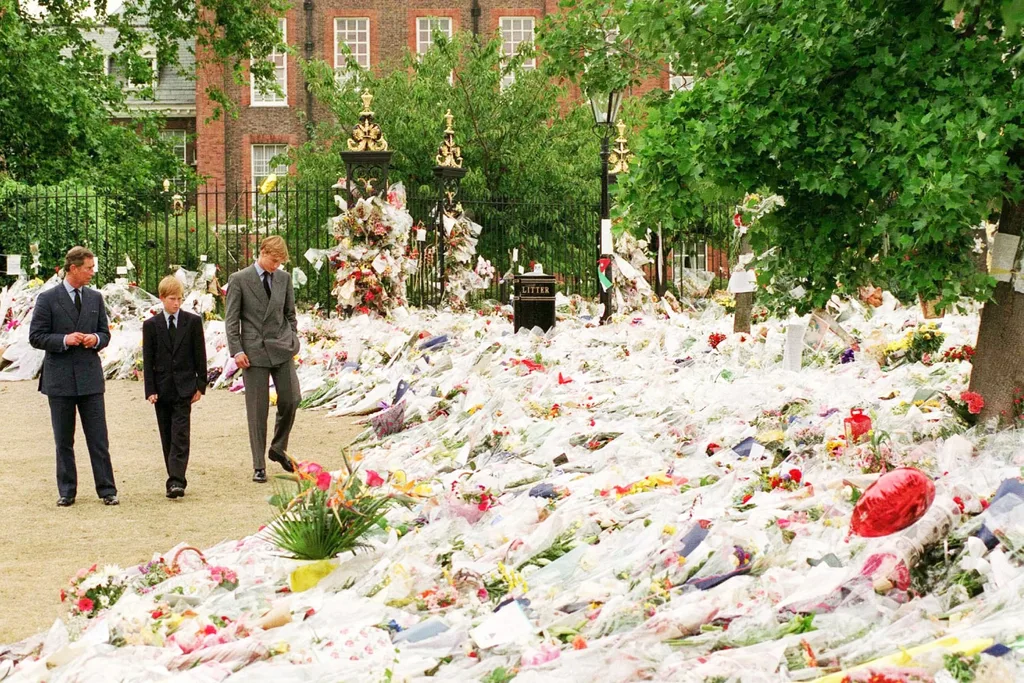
x=523, y=141
x=56, y=97
x=892, y=129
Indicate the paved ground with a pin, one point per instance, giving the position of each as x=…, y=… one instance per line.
x=42, y=545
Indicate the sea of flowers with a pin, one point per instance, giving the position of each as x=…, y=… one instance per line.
x=654, y=499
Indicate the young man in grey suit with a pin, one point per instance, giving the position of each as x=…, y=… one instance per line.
x=263, y=338
x=69, y=322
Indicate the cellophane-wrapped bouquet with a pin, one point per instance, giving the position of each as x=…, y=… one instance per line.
x=372, y=258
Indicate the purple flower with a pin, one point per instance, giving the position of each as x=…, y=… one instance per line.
x=847, y=356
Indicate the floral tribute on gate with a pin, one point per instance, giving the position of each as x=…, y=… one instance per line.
x=463, y=277
x=372, y=258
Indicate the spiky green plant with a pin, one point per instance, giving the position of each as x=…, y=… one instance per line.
x=321, y=518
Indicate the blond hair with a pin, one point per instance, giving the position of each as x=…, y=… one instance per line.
x=170, y=286
x=275, y=246
x=76, y=256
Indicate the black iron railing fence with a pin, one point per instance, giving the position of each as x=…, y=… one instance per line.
x=163, y=230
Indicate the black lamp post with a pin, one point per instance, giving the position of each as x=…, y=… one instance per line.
x=605, y=106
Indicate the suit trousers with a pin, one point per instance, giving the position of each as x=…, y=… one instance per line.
x=257, y=407
x=94, y=423
x=174, y=418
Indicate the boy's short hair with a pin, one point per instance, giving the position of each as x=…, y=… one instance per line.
x=275, y=246
x=170, y=286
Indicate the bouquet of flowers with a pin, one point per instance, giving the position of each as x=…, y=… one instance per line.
x=371, y=259
x=753, y=208
x=968, y=407
x=958, y=353
x=323, y=515
x=632, y=291
x=93, y=590
x=916, y=345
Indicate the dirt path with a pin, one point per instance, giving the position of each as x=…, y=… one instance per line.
x=42, y=545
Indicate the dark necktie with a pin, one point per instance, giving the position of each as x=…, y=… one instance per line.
x=78, y=301
x=266, y=283
x=171, y=329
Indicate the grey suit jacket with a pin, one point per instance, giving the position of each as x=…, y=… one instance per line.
x=75, y=371
x=267, y=331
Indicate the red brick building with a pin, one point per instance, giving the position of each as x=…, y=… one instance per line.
x=235, y=150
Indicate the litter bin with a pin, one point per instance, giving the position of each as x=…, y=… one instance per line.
x=534, y=302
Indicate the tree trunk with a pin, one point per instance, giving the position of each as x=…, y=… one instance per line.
x=999, y=353
x=745, y=300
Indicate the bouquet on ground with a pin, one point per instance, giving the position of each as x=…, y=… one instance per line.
x=323, y=515
x=917, y=345
x=371, y=260
x=93, y=590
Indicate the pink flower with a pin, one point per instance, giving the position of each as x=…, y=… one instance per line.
x=373, y=479
x=323, y=481
x=85, y=605
x=974, y=402
x=311, y=468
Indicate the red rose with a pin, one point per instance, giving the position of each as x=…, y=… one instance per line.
x=373, y=479
x=974, y=402
x=796, y=475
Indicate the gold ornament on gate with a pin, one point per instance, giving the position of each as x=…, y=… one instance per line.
x=449, y=155
x=620, y=156
x=367, y=135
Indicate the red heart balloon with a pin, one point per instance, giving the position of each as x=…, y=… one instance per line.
x=894, y=502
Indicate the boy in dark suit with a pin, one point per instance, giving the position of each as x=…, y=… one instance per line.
x=174, y=372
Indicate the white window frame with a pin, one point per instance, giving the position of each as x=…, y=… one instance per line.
x=679, y=81
x=257, y=178
x=508, y=24
x=271, y=98
x=340, y=56
x=174, y=135
x=428, y=25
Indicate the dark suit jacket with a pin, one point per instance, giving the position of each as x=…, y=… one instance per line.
x=75, y=371
x=265, y=329
x=174, y=370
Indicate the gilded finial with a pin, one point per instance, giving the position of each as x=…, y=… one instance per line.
x=449, y=154
x=620, y=156
x=367, y=135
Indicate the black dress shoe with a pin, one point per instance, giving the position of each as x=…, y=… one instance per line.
x=111, y=500
x=65, y=501
x=175, y=492
x=259, y=476
x=283, y=460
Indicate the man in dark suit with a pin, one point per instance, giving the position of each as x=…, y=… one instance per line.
x=174, y=374
x=262, y=332
x=69, y=322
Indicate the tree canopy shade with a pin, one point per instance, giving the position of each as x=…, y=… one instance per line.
x=892, y=129
x=56, y=97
